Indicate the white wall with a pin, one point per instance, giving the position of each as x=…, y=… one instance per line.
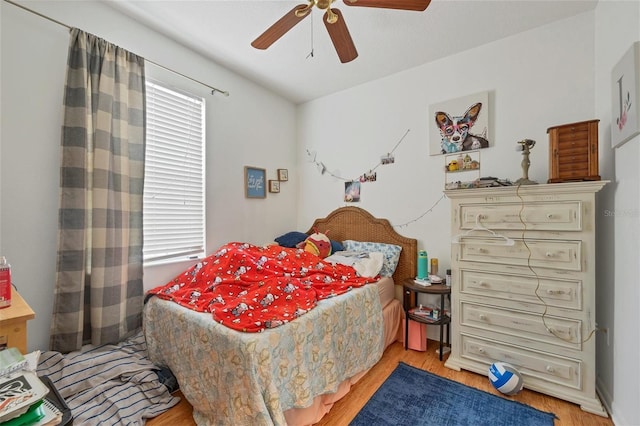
x=535, y=79
x=250, y=127
x=551, y=75
x=617, y=27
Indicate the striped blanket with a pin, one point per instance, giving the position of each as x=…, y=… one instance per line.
x=110, y=384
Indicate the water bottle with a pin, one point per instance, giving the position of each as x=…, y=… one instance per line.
x=5, y=283
x=423, y=265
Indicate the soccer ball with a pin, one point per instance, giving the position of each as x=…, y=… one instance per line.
x=505, y=378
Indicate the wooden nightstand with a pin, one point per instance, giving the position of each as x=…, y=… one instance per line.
x=411, y=290
x=13, y=323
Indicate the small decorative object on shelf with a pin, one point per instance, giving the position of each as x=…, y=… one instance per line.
x=461, y=169
x=525, y=146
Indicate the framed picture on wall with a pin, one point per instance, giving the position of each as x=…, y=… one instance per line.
x=283, y=175
x=460, y=124
x=274, y=185
x=625, y=95
x=255, y=182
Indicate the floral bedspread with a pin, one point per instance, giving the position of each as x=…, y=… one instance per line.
x=251, y=288
x=235, y=378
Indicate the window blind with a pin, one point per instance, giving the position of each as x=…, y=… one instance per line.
x=173, y=216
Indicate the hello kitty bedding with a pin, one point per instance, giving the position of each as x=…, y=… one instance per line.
x=251, y=288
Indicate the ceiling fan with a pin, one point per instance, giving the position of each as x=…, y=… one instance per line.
x=333, y=21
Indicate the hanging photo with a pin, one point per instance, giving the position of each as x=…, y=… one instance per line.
x=368, y=177
x=387, y=159
x=352, y=192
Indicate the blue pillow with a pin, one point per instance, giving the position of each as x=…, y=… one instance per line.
x=391, y=253
x=336, y=246
x=291, y=239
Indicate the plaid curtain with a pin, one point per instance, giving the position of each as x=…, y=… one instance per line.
x=98, y=295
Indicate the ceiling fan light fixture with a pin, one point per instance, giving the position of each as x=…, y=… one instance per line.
x=332, y=18
x=301, y=12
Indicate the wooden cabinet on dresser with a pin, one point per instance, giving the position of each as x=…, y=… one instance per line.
x=528, y=300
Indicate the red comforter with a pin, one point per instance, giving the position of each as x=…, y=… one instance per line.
x=251, y=288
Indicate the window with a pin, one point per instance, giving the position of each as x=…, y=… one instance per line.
x=174, y=221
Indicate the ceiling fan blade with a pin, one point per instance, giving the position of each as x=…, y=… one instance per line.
x=340, y=36
x=280, y=28
x=417, y=5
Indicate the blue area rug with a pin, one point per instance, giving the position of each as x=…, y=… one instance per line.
x=411, y=396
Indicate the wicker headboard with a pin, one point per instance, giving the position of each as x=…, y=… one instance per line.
x=354, y=223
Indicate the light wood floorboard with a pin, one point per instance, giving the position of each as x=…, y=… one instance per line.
x=345, y=410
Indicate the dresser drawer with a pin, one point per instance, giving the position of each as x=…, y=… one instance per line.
x=530, y=363
x=563, y=331
x=542, y=216
x=574, y=133
x=552, y=254
x=557, y=293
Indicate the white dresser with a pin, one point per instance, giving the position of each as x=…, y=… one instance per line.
x=527, y=299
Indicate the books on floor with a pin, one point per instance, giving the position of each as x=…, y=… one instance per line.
x=25, y=401
x=19, y=391
x=11, y=359
x=57, y=402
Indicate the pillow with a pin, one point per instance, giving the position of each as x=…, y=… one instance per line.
x=318, y=244
x=336, y=246
x=391, y=253
x=291, y=239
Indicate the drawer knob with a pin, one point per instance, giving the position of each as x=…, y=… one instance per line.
x=481, y=350
x=549, y=215
x=483, y=250
x=482, y=317
x=550, y=369
x=483, y=284
x=549, y=291
x=549, y=254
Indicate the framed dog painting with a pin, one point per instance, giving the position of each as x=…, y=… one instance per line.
x=460, y=124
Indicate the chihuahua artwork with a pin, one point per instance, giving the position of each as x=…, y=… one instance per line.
x=456, y=130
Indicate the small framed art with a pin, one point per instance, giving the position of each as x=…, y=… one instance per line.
x=283, y=175
x=625, y=94
x=254, y=182
x=274, y=185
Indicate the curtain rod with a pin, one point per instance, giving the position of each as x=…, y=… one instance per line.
x=213, y=89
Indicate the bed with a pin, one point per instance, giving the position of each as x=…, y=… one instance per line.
x=291, y=374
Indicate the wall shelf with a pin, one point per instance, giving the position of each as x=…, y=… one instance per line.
x=461, y=169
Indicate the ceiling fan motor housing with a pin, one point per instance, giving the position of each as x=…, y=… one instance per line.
x=323, y=4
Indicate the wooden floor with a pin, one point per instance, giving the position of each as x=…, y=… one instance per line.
x=347, y=408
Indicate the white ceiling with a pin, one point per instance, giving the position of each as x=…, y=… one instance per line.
x=388, y=41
